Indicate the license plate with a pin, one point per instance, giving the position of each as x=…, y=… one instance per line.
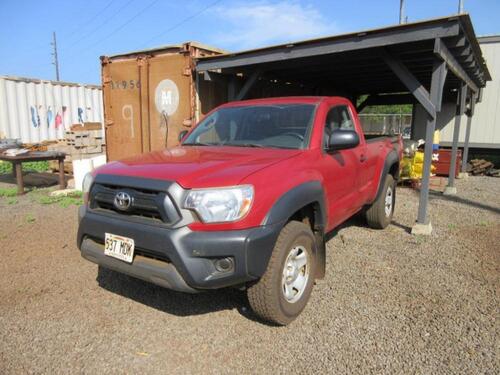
x=119, y=247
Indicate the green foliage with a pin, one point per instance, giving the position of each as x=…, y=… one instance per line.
x=64, y=201
x=8, y=192
x=12, y=200
x=31, y=166
x=405, y=109
x=30, y=219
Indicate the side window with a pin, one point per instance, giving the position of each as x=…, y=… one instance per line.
x=337, y=118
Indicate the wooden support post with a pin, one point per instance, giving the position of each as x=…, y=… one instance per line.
x=470, y=113
x=461, y=96
x=438, y=78
x=62, y=181
x=18, y=166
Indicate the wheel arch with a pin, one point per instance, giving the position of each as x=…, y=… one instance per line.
x=391, y=166
x=306, y=203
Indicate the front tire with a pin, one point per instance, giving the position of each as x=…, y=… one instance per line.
x=284, y=289
x=379, y=214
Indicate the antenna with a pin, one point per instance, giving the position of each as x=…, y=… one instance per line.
x=56, y=61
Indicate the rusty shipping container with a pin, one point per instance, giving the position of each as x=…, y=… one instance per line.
x=152, y=95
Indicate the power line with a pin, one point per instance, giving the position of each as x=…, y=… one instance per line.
x=125, y=23
x=183, y=21
x=85, y=36
x=89, y=19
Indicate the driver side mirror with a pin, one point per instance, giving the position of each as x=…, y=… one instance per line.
x=342, y=140
x=182, y=134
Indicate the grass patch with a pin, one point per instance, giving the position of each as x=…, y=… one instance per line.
x=30, y=219
x=75, y=199
x=8, y=192
x=12, y=200
x=32, y=166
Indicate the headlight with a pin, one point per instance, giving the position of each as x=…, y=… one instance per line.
x=220, y=204
x=86, y=184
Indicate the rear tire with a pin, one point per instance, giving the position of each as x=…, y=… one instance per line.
x=284, y=289
x=379, y=214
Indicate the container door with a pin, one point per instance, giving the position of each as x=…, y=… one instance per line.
x=122, y=105
x=170, y=100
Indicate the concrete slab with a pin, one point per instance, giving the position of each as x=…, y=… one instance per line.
x=463, y=176
x=450, y=190
x=421, y=229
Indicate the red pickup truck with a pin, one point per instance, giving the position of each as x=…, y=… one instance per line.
x=244, y=201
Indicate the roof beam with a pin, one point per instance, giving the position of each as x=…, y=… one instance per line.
x=411, y=83
x=397, y=36
x=441, y=51
x=248, y=84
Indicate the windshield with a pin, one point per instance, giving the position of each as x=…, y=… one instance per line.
x=281, y=126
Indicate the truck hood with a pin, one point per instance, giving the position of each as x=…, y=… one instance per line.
x=199, y=166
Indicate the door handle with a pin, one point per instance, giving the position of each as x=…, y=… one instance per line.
x=362, y=158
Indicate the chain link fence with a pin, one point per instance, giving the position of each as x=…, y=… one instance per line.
x=386, y=123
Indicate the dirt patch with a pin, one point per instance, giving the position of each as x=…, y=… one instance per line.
x=390, y=302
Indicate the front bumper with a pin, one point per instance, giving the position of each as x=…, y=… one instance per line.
x=178, y=258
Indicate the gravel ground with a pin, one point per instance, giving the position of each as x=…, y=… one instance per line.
x=390, y=302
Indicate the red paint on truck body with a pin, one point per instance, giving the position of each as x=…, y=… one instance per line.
x=350, y=178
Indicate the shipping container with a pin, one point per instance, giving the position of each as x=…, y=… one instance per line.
x=152, y=95
x=35, y=110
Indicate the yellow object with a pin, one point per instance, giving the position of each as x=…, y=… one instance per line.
x=413, y=167
x=418, y=158
x=437, y=136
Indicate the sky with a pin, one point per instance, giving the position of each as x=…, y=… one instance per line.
x=87, y=29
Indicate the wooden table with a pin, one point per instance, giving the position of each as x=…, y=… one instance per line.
x=18, y=160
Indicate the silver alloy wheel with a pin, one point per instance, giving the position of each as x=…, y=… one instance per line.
x=295, y=274
x=388, y=202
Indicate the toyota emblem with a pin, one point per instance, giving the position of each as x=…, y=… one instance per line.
x=123, y=201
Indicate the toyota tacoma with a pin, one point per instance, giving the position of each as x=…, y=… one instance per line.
x=244, y=201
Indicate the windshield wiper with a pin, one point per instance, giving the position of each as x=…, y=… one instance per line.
x=200, y=144
x=244, y=145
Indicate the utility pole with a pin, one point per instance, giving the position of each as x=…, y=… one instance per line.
x=460, y=6
x=402, y=18
x=56, y=61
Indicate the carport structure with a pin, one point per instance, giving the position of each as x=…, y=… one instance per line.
x=423, y=63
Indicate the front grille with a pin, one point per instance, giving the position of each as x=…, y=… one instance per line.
x=146, y=204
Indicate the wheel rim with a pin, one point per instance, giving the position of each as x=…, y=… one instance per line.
x=388, y=202
x=295, y=274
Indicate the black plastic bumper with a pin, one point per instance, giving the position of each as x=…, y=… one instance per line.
x=185, y=258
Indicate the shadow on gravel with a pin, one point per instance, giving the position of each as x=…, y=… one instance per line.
x=355, y=221
x=468, y=202
x=33, y=179
x=406, y=228
x=185, y=304
x=171, y=302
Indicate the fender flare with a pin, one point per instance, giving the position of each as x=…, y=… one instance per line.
x=295, y=199
x=391, y=159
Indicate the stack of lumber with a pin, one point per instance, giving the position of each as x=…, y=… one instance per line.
x=481, y=167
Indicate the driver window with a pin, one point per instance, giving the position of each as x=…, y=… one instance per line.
x=338, y=118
